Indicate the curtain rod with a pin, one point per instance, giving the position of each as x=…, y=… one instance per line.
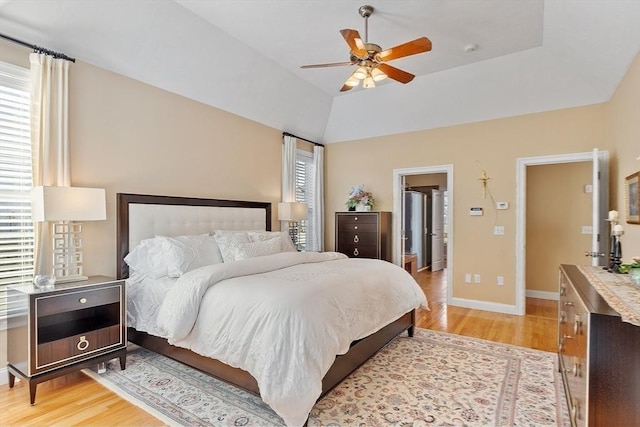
x=38, y=49
x=306, y=140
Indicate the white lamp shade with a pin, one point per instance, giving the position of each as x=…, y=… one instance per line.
x=68, y=204
x=292, y=211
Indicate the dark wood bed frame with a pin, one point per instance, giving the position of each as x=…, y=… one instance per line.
x=359, y=352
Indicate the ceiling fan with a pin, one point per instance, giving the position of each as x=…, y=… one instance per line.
x=371, y=59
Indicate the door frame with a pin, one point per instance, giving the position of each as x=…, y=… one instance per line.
x=397, y=213
x=521, y=211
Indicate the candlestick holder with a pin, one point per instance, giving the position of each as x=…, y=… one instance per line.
x=616, y=257
x=612, y=246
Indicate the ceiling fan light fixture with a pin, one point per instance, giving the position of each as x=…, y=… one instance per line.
x=368, y=82
x=360, y=73
x=352, y=82
x=378, y=75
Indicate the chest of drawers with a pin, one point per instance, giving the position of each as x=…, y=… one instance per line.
x=364, y=234
x=599, y=356
x=70, y=327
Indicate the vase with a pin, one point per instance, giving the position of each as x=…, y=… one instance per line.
x=634, y=275
x=362, y=208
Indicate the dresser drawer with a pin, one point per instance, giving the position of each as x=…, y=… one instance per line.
x=354, y=219
x=359, y=238
x=65, y=350
x=78, y=300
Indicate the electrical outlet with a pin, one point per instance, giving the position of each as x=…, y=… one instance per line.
x=467, y=278
x=500, y=281
x=498, y=230
x=502, y=205
x=476, y=278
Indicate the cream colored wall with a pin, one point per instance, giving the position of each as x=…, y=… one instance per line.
x=496, y=144
x=623, y=132
x=557, y=208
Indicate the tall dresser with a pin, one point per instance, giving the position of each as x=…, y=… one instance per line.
x=598, y=349
x=364, y=234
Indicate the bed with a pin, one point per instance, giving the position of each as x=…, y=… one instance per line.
x=142, y=217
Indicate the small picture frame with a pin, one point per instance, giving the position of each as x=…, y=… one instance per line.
x=632, y=198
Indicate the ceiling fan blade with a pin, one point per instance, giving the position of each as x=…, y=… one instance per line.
x=345, y=88
x=396, y=73
x=420, y=45
x=331, y=64
x=354, y=41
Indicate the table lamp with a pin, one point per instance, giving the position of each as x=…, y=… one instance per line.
x=293, y=212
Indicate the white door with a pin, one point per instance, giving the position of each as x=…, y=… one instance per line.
x=403, y=237
x=600, y=231
x=437, y=231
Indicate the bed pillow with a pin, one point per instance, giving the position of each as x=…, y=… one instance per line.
x=258, y=248
x=186, y=253
x=286, y=245
x=228, y=241
x=148, y=259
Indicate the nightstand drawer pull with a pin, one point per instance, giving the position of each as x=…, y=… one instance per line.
x=356, y=239
x=83, y=344
x=83, y=300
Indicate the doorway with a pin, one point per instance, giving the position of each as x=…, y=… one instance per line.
x=435, y=234
x=598, y=206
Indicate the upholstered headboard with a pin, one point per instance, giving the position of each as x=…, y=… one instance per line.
x=143, y=216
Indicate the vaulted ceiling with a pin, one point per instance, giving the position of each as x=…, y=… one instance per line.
x=244, y=56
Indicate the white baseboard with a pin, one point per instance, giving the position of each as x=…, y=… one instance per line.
x=542, y=295
x=4, y=376
x=484, y=305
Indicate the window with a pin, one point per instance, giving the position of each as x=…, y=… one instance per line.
x=16, y=227
x=304, y=194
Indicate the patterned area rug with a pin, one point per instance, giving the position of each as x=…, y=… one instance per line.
x=433, y=378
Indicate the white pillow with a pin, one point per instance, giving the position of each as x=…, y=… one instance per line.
x=228, y=241
x=286, y=245
x=148, y=259
x=255, y=249
x=186, y=253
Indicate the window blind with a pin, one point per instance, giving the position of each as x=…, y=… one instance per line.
x=16, y=227
x=304, y=193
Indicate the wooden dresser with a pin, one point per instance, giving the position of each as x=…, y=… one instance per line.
x=599, y=356
x=364, y=234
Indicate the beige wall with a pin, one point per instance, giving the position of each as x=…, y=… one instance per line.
x=557, y=208
x=496, y=144
x=623, y=132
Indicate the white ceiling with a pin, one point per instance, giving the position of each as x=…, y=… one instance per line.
x=244, y=56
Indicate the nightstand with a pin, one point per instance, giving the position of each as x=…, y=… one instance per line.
x=72, y=326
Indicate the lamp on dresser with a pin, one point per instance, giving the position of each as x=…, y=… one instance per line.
x=63, y=207
x=293, y=212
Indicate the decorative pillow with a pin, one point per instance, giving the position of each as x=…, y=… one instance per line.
x=259, y=248
x=148, y=258
x=228, y=241
x=283, y=236
x=186, y=253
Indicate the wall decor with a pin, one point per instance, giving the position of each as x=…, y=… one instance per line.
x=632, y=198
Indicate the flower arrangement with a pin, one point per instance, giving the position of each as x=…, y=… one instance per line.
x=635, y=263
x=358, y=196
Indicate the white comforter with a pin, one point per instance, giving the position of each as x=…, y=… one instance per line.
x=283, y=318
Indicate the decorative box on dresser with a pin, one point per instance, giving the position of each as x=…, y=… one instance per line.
x=364, y=234
x=598, y=347
x=72, y=326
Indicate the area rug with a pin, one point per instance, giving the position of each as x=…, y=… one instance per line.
x=433, y=378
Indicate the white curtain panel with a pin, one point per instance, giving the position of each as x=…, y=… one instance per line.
x=317, y=228
x=49, y=139
x=289, y=169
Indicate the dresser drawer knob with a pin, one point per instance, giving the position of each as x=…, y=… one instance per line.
x=83, y=344
x=83, y=300
x=355, y=228
x=356, y=252
x=355, y=218
x=356, y=239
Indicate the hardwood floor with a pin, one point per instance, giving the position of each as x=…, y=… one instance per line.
x=78, y=400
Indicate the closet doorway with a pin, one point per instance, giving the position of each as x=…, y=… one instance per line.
x=422, y=200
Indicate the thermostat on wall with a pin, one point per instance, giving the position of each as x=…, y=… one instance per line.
x=475, y=212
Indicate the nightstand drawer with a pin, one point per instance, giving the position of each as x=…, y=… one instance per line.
x=76, y=300
x=62, y=351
